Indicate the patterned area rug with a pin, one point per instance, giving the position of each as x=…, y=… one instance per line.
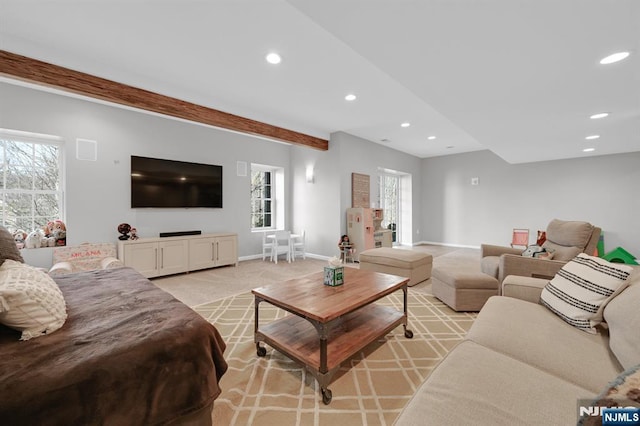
x=369, y=389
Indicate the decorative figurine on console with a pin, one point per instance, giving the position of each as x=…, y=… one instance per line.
x=134, y=233
x=124, y=229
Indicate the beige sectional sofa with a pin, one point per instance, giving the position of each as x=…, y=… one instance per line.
x=521, y=364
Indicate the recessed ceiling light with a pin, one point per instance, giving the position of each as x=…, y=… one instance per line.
x=614, y=58
x=431, y=138
x=599, y=115
x=591, y=137
x=350, y=97
x=588, y=150
x=273, y=58
x=450, y=146
x=405, y=124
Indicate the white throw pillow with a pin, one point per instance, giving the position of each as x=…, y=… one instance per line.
x=581, y=289
x=30, y=300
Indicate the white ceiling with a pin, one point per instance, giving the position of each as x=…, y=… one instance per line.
x=518, y=77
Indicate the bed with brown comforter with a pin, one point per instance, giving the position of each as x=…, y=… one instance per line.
x=128, y=354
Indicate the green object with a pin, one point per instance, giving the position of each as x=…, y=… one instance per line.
x=620, y=255
x=600, y=245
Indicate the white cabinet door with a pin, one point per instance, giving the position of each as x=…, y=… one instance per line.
x=202, y=253
x=165, y=256
x=226, y=251
x=143, y=258
x=173, y=257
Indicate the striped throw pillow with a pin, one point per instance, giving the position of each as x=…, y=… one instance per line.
x=581, y=289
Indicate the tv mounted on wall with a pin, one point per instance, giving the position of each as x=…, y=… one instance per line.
x=168, y=183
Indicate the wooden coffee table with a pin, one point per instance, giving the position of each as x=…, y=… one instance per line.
x=329, y=324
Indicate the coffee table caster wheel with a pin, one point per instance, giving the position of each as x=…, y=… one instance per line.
x=261, y=351
x=326, y=396
x=408, y=334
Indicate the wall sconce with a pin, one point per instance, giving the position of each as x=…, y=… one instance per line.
x=310, y=173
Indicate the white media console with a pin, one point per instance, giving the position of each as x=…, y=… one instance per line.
x=155, y=257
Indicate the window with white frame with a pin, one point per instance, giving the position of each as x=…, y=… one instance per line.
x=261, y=201
x=267, y=197
x=31, y=180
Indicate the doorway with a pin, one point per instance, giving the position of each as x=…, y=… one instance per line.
x=394, y=194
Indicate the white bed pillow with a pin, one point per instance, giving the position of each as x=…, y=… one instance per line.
x=30, y=300
x=579, y=292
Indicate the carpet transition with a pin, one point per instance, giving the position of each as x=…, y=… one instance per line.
x=370, y=389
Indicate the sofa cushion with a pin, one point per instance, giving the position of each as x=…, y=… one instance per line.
x=476, y=385
x=532, y=334
x=490, y=265
x=560, y=252
x=569, y=233
x=8, y=248
x=623, y=319
x=581, y=289
x=523, y=288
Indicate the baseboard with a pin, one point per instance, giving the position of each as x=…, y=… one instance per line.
x=259, y=256
x=435, y=243
x=322, y=257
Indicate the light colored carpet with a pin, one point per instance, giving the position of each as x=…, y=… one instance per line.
x=205, y=286
x=369, y=389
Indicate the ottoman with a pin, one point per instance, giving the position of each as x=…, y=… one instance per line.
x=463, y=290
x=414, y=265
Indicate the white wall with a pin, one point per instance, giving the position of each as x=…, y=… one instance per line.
x=321, y=206
x=603, y=190
x=358, y=155
x=317, y=204
x=98, y=193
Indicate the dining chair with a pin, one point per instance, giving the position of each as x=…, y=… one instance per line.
x=281, y=245
x=267, y=245
x=298, y=245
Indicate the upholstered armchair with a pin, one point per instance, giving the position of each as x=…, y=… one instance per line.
x=84, y=257
x=565, y=240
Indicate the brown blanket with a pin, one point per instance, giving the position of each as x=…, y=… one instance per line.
x=129, y=353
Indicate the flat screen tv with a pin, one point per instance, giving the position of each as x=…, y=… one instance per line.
x=168, y=183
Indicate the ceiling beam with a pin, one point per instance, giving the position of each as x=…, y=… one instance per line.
x=34, y=71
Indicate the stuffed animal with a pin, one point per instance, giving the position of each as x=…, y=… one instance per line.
x=58, y=232
x=19, y=237
x=533, y=251
x=34, y=239
x=57, y=225
x=48, y=242
x=48, y=229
